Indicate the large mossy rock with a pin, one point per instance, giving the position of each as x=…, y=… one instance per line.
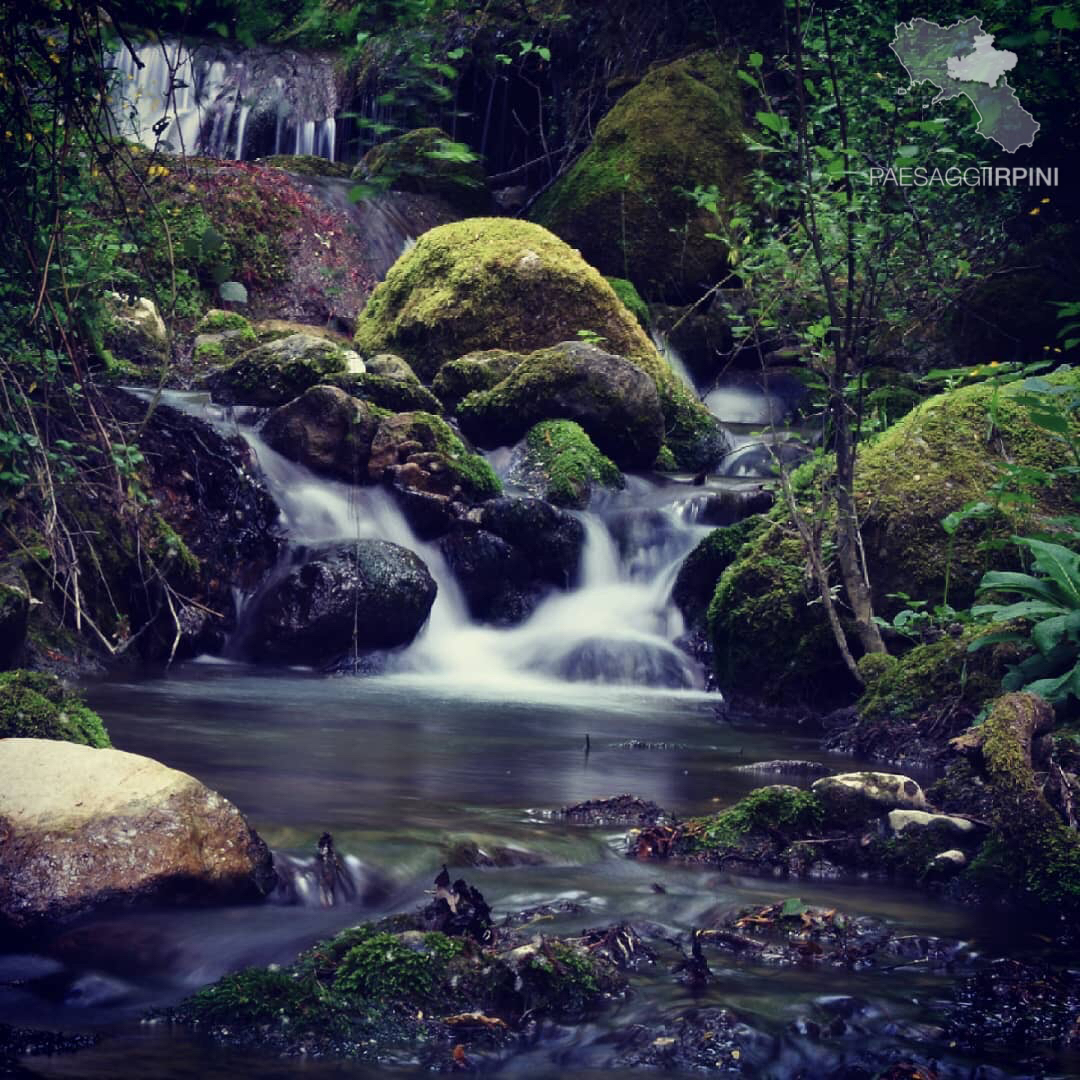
x=326, y=430
x=34, y=705
x=86, y=827
x=614, y=401
x=388, y=383
x=279, y=370
x=368, y=595
x=135, y=331
x=623, y=202
x=499, y=283
x=425, y=161
x=769, y=636
x=475, y=371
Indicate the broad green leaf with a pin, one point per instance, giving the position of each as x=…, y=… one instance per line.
x=1025, y=609
x=1050, y=633
x=1012, y=581
x=1056, y=562
x=997, y=638
x=793, y=907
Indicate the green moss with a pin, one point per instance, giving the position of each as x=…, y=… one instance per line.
x=383, y=967
x=34, y=705
x=475, y=371
x=168, y=547
x=767, y=641
x=941, y=675
x=258, y=996
x=387, y=392
x=472, y=471
x=425, y=161
x=305, y=165
x=780, y=809
x=631, y=299
x=938, y=458
x=499, y=283
x=210, y=352
x=562, y=980
x=623, y=203
x=562, y=452
x=217, y=321
x=665, y=460
x=700, y=572
x=278, y=371
x=1032, y=854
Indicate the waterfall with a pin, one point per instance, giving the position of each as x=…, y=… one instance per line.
x=615, y=625
x=224, y=101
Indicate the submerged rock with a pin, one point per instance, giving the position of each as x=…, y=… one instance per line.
x=86, y=827
x=616, y=810
x=371, y=594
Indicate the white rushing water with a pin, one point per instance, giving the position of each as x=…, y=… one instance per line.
x=228, y=103
x=615, y=624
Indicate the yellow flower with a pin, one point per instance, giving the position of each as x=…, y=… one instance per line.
x=1032, y=213
x=29, y=136
x=54, y=58
x=995, y=363
x=1046, y=200
x=974, y=371
x=7, y=134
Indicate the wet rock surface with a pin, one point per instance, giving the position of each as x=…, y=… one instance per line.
x=369, y=595
x=84, y=828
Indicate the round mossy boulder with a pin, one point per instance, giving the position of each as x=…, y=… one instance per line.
x=623, y=203
x=34, y=705
x=428, y=162
x=561, y=463
x=769, y=633
x=499, y=283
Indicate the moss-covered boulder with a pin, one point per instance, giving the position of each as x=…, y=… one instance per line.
x=305, y=165
x=615, y=402
x=222, y=335
x=623, y=204
x=135, y=331
x=561, y=463
x=769, y=632
x=326, y=430
x=422, y=451
x=428, y=162
x=631, y=299
x=701, y=570
x=475, y=371
x=499, y=283
x=34, y=705
x=388, y=382
x=766, y=640
x=280, y=370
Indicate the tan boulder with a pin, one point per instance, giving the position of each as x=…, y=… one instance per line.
x=81, y=827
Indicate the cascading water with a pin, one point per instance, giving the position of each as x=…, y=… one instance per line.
x=227, y=103
x=616, y=625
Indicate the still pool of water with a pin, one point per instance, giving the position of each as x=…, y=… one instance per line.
x=402, y=768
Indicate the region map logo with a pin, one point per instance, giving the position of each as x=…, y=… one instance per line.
x=961, y=60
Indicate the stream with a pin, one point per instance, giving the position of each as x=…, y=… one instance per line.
x=466, y=743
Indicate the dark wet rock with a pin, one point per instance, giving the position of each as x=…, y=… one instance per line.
x=217, y=533
x=15, y=597
x=326, y=430
x=552, y=540
x=617, y=810
x=644, y=744
x=786, y=767
x=20, y=1042
x=612, y=399
x=369, y=595
x=849, y=796
x=85, y=828
x=1016, y=1007
x=279, y=370
x=625, y=662
x=708, y=1039
x=495, y=577
x=473, y=853
x=622, y=945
